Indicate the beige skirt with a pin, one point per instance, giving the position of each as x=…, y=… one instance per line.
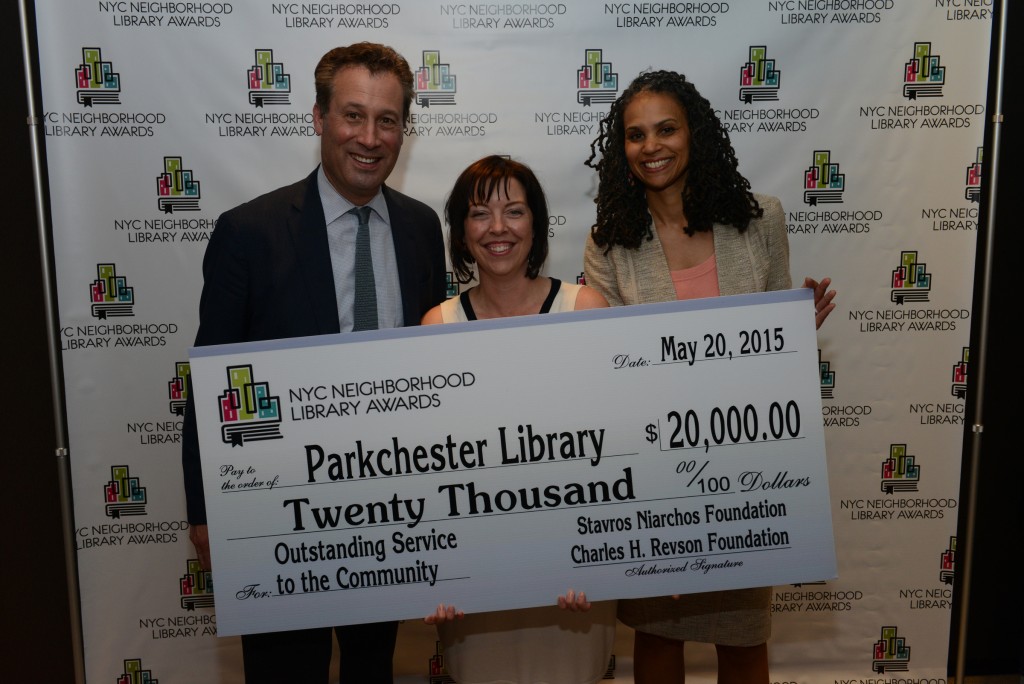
x=739, y=617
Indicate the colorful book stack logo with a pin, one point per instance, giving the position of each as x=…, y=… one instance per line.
x=124, y=494
x=959, y=389
x=196, y=586
x=827, y=377
x=823, y=184
x=177, y=388
x=134, y=674
x=973, y=191
x=451, y=285
x=248, y=412
x=176, y=188
x=110, y=294
x=922, y=75
x=596, y=80
x=899, y=472
x=268, y=84
x=891, y=652
x=438, y=671
x=947, y=563
x=96, y=80
x=435, y=82
x=759, y=79
x=911, y=281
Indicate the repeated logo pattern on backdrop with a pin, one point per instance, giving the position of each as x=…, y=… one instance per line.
x=874, y=148
x=97, y=81
x=268, y=83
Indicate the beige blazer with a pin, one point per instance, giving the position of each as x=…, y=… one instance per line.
x=756, y=260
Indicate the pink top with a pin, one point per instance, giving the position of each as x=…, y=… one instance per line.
x=698, y=281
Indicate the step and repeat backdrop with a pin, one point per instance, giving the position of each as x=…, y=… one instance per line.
x=864, y=116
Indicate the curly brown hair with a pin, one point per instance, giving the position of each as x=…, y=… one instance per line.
x=715, y=191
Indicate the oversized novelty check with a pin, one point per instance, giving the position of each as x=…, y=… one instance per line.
x=635, y=451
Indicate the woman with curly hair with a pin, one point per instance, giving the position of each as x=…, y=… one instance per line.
x=677, y=220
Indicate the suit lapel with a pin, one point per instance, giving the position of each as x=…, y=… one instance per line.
x=309, y=235
x=406, y=257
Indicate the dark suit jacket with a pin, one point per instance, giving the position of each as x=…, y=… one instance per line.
x=267, y=275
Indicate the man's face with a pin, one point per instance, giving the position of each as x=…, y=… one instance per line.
x=361, y=132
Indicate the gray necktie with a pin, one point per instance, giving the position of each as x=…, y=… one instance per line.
x=365, y=309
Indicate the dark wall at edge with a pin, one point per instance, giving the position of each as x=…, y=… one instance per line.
x=995, y=634
x=36, y=625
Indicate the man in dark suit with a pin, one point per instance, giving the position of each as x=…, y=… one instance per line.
x=283, y=265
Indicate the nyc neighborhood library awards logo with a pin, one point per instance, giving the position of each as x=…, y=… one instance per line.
x=436, y=668
x=759, y=79
x=923, y=76
x=134, y=673
x=945, y=412
x=760, y=82
x=891, y=653
x=268, y=84
x=837, y=415
x=900, y=481
x=170, y=15
x=248, y=412
x=949, y=219
x=911, y=281
x=959, y=389
x=196, y=586
x=648, y=15
x=804, y=12
x=177, y=388
x=112, y=297
x=176, y=188
x=502, y=17
x=929, y=596
x=596, y=81
x=152, y=431
x=827, y=377
x=110, y=294
x=899, y=471
x=314, y=15
x=947, y=563
x=814, y=597
x=823, y=184
x=195, y=589
x=97, y=81
x=973, y=191
x=435, y=82
x=124, y=494
x=97, y=84
x=125, y=497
